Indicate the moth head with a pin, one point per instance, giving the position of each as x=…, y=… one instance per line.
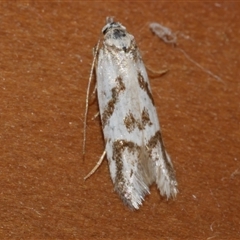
x=111, y=24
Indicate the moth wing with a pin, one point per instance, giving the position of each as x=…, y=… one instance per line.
x=118, y=96
x=162, y=168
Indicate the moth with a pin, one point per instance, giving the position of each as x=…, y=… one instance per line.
x=134, y=147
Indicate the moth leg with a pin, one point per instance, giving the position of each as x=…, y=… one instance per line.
x=153, y=73
x=96, y=166
x=95, y=116
x=93, y=94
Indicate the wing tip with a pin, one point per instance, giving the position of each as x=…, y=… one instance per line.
x=133, y=196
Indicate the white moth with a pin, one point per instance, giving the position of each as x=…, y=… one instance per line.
x=134, y=145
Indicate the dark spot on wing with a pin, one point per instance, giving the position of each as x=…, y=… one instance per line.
x=152, y=143
x=145, y=118
x=144, y=86
x=109, y=109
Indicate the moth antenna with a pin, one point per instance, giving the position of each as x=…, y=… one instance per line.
x=109, y=19
x=87, y=98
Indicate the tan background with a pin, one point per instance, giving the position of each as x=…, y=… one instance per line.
x=45, y=59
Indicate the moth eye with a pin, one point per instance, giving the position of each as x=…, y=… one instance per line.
x=118, y=33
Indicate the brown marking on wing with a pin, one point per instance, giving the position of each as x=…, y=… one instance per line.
x=144, y=85
x=131, y=123
x=145, y=118
x=118, y=147
x=153, y=141
x=108, y=111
